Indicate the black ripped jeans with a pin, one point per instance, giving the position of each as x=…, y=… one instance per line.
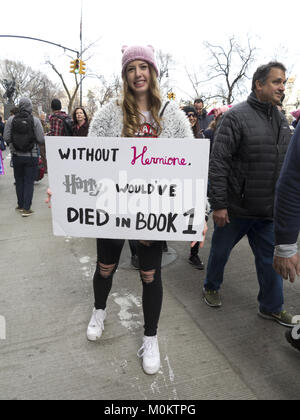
x=108, y=253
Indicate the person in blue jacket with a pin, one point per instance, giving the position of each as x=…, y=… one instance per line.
x=287, y=222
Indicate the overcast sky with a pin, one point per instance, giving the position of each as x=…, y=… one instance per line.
x=174, y=26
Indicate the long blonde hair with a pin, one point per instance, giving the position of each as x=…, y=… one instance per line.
x=131, y=114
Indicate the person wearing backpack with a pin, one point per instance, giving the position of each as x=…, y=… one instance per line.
x=24, y=132
x=61, y=123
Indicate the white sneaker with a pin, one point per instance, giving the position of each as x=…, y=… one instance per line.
x=150, y=354
x=96, y=325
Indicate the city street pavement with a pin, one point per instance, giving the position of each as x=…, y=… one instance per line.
x=46, y=301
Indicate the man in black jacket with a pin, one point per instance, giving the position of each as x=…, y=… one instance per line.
x=203, y=118
x=249, y=148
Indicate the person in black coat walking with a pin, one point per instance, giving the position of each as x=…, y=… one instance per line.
x=287, y=213
x=190, y=111
x=203, y=118
x=24, y=134
x=249, y=148
x=287, y=222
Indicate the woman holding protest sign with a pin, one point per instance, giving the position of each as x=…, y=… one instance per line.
x=140, y=113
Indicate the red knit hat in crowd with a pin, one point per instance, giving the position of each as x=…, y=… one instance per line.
x=137, y=52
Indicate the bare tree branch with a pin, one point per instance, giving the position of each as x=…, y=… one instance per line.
x=229, y=64
x=107, y=89
x=91, y=45
x=27, y=82
x=71, y=96
x=61, y=78
x=165, y=62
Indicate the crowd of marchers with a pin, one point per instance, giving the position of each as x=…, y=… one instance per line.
x=253, y=185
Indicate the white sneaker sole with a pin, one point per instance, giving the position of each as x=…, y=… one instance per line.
x=93, y=339
x=151, y=371
x=92, y=336
x=272, y=318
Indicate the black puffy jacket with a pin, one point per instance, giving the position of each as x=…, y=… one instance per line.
x=204, y=119
x=248, y=152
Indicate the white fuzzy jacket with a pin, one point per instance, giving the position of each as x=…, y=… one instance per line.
x=108, y=122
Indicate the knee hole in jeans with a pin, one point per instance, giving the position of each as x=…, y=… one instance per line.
x=148, y=276
x=106, y=270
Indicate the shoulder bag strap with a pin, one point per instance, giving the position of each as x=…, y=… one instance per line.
x=163, y=110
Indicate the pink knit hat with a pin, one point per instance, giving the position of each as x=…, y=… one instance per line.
x=217, y=111
x=296, y=114
x=137, y=52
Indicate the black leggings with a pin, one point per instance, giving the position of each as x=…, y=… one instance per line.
x=150, y=256
x=195, y=249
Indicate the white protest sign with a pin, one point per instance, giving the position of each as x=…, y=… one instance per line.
x=128, y=188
